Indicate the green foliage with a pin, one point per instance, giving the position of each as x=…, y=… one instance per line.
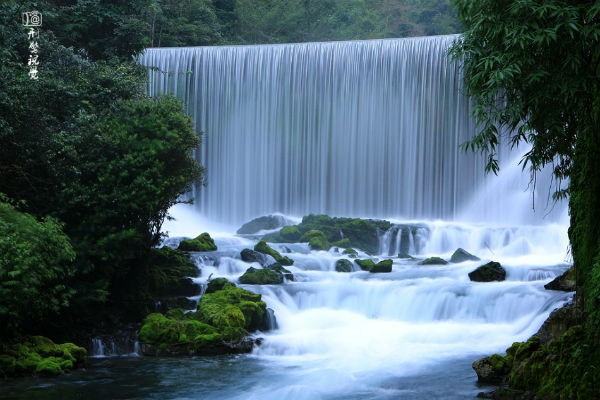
x=85, y=145
x=174, y=23
x=202, y=242
x=281, y=21
x=35, y=263
x=532, y=69
x=263, y=247
x=528, y=66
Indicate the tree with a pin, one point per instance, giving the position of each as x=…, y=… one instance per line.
x=85, y=145
x=533, y=69
x=35, y=262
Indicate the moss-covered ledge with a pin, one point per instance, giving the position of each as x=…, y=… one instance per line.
x=38, y=355
x=225, y=316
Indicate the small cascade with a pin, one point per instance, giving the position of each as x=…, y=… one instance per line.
x=121, y=344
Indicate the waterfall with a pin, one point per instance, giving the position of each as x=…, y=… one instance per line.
x=359, y=128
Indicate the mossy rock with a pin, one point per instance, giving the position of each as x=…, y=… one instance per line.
x=565, y=282
x=262, y=276
x=217, y=309
x=492, y=369
x=342, y=232
x=433, y=261
x=264, y=248
x=162, y=335
x=365, y=265
x=40, y=355
x=382, y=266
x=461, y=255
x=343, y=265
x=287, y=274
x=350, y=252
x=202, y=242
x=251, y=256
x=217, y=284
x=317, y=240
x=256, y=225
x=405, y=255
x=489, y=272
x=290, y=233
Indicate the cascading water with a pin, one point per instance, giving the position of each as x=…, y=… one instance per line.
x=361, y=128
x=368, y=129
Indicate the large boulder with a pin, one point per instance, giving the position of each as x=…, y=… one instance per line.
x=461, y=255
x=492, y=370
x=224, y=317
x=268, y=222
x=249, y=255
x=433, y=261
x=489, y=272
x=343, y=265
x=263, y=247
x=365, y=265
x=564, y=282
x=382, y=266
x=342, y=232
x=202, y=242
x=287, y=274
x=317, y=240
x=263, y=276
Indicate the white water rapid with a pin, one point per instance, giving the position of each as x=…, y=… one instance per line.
x=358, y=335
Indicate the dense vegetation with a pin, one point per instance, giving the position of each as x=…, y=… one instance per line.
x=533, y=69
x=89, y=166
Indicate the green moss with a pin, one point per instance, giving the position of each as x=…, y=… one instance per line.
x=350, y=252
x=38, y=354
x=365, y=265
x=203, y=242
x=50, y=366
x=382, y=267
x=159, y=329
x=263, y=276
x=342, y=232
x=317, y=240
x=343, y=265
x=217, y=284
x=290, y=233
x=264, y=248
x=433, y=261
